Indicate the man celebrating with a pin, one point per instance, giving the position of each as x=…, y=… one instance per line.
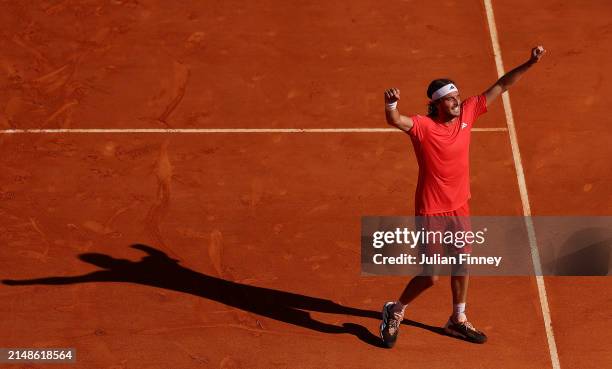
x=441, y=141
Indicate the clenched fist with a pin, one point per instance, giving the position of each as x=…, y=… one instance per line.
x=392, y=95
x=536, y=54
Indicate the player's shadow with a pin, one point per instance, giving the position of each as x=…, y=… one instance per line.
x=158, y=270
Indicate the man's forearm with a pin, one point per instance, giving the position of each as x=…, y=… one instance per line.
x=393, y=117
x=514, y=75
x=510, y=78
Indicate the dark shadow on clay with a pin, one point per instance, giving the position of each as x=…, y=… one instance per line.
x=156, y=269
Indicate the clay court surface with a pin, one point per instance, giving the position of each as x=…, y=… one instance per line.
x=241, y=249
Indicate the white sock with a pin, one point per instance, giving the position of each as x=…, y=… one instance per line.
x=459, y=312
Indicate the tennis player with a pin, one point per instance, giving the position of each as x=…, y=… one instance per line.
x=441, y=142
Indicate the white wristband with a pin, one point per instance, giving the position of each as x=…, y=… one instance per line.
x=391, y=106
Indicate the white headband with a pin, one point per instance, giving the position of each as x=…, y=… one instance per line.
x=443, y=91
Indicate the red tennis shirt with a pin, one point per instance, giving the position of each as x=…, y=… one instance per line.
x=442, y=151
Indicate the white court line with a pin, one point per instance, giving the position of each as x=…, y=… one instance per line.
x=221, y=130
x=520, y=175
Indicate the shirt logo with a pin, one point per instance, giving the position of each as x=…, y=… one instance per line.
x=463, y=125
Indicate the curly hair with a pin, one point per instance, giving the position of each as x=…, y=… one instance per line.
x=433, y=87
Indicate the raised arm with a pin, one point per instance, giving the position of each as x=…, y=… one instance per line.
x=513, y=76
x=394, y=118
